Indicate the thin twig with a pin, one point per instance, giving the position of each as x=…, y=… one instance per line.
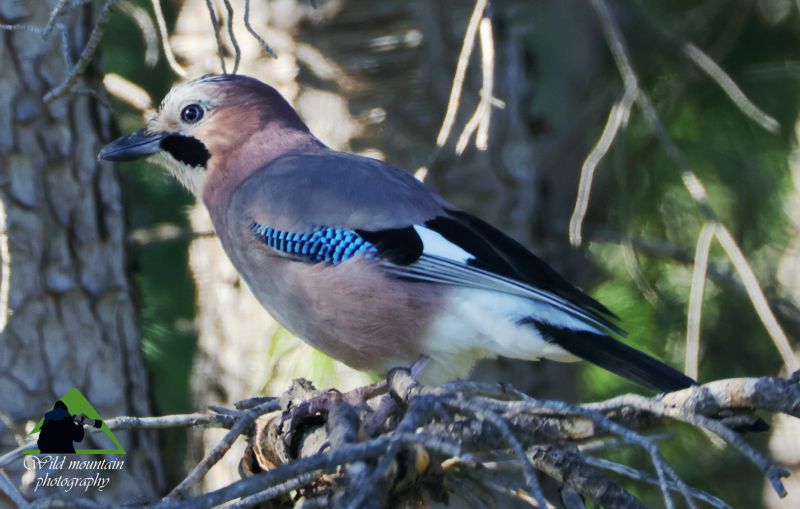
x=250, y=29
x=757, y=297
x=487, y=91
x=54, y=14
x=772, y=472
x=694, y=185
x=726, y=83
x=215, y=24
x=454, y=101
x=86, y=56
x=9, y=490
x=237, y=52
x=325, y=462
x=165, y=43
x=244, y=421
x=638, y=475
x=142, y=20
x=130, y=93
x=691, y=365
x=601, y=420
x=617, y=118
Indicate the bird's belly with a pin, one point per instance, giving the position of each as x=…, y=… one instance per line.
x=359, y=315
x=353, y=312
x=478, y=324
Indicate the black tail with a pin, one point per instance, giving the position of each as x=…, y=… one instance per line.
x=617, y=357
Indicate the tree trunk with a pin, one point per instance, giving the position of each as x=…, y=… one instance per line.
x=66, y=315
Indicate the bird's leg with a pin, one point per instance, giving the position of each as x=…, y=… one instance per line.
x=320, y=404
x=388, y=406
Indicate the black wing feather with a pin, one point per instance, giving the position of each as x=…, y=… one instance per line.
x=526, y=266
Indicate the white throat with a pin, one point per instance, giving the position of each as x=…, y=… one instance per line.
x=192, y=177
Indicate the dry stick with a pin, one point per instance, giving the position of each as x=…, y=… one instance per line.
x=508, y=436
x=461, y=71
x=250, y=29
x=604, y=422
x=617, y=118
x=480, y=120
x=162, y=30
x=87, y=54
x=201, y=469
x=142, y=20
x=126, y=422
x=469, y=128
x=275, y=491
x=487, y=91
x=54, y=14
x=638, y=475
x=215, y=25
x=726, y=83
x=325, y=462
x=130, y=93
x=757, y=297
x=571, y=470
x=691, y=365
x=171, y=421
x=9, y=490
x=631, y=260
x=694, y=186
x=772, y=472
x=237, y=52
x=40, y=31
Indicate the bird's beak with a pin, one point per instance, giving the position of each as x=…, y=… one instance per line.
x=133, y=146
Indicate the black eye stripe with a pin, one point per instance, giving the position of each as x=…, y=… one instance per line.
x=186, y=149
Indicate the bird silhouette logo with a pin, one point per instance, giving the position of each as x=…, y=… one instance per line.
x=66, y=424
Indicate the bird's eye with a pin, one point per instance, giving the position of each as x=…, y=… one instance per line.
x=192, y=113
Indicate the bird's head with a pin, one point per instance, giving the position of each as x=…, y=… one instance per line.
x=202, y=126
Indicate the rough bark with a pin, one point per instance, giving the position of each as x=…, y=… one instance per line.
x=67, y=319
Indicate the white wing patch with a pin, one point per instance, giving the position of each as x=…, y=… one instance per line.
x=435, y=244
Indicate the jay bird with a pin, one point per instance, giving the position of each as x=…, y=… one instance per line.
x=360, y=259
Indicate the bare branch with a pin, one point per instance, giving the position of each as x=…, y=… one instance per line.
x=716, y=73
x=466, y=431
x=128, y=92
x=694, y=185
x=487, y=92
x=454, y=101
x=696, y=301
x=57, y=11
x=243, y=422
x=757, y=297
x=215, y=24
x=632, y=473
x=86, y=56
x=573, y=470
x=617, y=118
x=250, y=29
x=165, y=43
x=237, y=52
x=8, y=489
x=142, y=20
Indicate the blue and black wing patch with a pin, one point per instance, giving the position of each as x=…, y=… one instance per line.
x=324, y=244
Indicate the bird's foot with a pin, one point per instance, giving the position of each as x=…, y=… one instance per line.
x=314, y=408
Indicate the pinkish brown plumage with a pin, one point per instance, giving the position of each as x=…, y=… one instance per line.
x=360, y=259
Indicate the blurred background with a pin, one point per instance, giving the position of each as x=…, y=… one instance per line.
x=374, y=77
